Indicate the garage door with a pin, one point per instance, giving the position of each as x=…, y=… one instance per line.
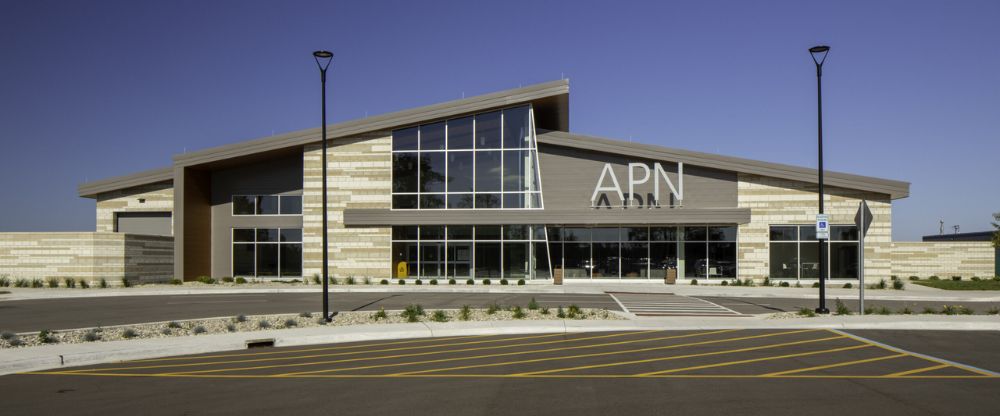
x=148, y=223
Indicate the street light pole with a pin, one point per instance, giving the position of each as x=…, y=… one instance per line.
x=323, y=59
x=820, y=51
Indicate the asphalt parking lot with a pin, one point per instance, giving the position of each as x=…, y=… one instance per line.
x=703, y=372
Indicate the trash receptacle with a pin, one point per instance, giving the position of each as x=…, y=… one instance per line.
x=670, y=277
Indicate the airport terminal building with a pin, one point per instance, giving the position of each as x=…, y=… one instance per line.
x=489, y=187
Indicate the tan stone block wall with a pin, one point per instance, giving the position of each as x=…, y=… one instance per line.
x=90, y=256
x=943, y=259
x=359, y=175
x=774, y=201
x=158, y=196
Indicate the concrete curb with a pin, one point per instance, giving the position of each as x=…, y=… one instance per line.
x=46, y=357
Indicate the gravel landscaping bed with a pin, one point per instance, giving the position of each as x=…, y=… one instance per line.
x=248, y=323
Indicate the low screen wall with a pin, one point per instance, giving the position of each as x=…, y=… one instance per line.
x=943, y=259
x=90, y=256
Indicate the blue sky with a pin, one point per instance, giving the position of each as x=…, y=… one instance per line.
x=103, y=88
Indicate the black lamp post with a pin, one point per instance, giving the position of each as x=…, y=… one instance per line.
x=323, y=59
x=819, y=56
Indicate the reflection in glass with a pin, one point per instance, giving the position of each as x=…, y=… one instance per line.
x=267, y=205
x=459, y=258
x=635, y=260
x=404, y=172
x=488, y=130
x=488, y=200
x=513, y=200
x=604, y=233
x=460, y=133
x=695, y=260
x=432, y=232
x=844, y=260
x=243, y=205
x=432, y=172
x=404, y=139
x=431, y=259
x=515, y=260
x=844, y=232
x=516, y=167
x=291, y=260
x=722, y=233
x=784, y=260
x=243, y=260
x=404, y=201
x=576, y=258
x=431, y=201
x=662, y=256
x=516, y=128
x=488, y=171
x=459, y=232
x=695, y=234
x=809, y=266
x=605, y=260
x=404, y=259
x=432, y=136
x=541, y=256
x=668, y=234
x=267, y=260
x=291, y=204
x=487, y=260
x=722, y=260
x=784, y=233
x=460, y=200
x=460, y=171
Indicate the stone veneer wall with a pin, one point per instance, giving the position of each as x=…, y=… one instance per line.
x=158, y=196
x=774, y=201
x=359, y=175
x=83, y=255
x=943, y=259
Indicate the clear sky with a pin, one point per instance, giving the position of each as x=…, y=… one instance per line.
x=92, y=89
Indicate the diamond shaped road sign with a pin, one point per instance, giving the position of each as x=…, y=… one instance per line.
x=863, y=219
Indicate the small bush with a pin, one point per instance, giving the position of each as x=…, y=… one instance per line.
x=766, y=282
x=748, y=282
x=418, y=282
x=492, y=309
x=956, y=278
x=129, y=333
x=882, y=310
x=470, y=282
x=560, y=313
x=240, y=281
x=383, y=282
x=737, y=282
x=412, y=313
x=439, y=316
x=815, y=285
x=694, y=282
x=289, y=323
x=227, y=279
x=126, y=282
x=315, y=279
x=350, y=280
x=402, y=281
x=521, y=282
x=70, y=283
x=173, y=325
x=4, y=281
x=807, y=312
x=841, y=308
x=573, y=311
x=433, y=282
x=176, y=282
x=784, y=284
x=881, y=284
x=91, y=336
x=452, y=281
x=933, y=278
x=532, y=305
x=914, y=278
x=930, y=310
x=208, y=280
x=367, y=280
x=199, y=330
x=167, y=331
x=906, y=311
x=503, y=282
x=380, y=314
x=7, y=336
x=725, y=283
x=465, y=313
x=21, y=283
x=518, y=313
x=996, y=278
x=332, y=281
x=52, y=282
x=240, y=318
x=545, y=310
x=976, y=278
x=263, y=324
x=230, y=327
x=37, y=283
x=870, y=310
x=486, y=281
x=84, y=284
x=848, y=285
x=898, y=284
x=305, y=315
x=962, y=310
x=993, y=311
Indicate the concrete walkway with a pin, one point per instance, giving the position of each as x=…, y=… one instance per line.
x=913, y=292
x=65, y=355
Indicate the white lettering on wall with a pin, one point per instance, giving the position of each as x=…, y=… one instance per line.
x=598, y=197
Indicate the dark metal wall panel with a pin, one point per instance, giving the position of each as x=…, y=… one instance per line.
x=385, y=217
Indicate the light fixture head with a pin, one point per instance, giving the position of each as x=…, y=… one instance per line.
x=819, y=53
x=328, y=54
x=323, y=59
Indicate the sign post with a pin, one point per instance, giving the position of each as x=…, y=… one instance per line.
x=863, y=220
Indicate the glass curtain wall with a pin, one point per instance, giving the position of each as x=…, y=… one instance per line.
x=794, y=252
x=482, y=161
x=466, y=251
x=643, y=252
x=267, y=252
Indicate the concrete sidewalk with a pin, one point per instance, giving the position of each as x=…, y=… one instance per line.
x=913, y=292
x=17, y=360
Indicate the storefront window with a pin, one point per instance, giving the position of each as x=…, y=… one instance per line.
x=267, y=252
x=794, y=252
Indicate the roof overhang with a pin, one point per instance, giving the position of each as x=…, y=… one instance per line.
x=895, y=189
x=91, y=189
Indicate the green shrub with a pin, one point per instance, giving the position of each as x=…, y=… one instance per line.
x=767, y=281
x=199, y=330
x=350, y=280
x=129, y=333
x=841, y=308
x=930, y=310
x=240, y=318
x=84, y=284
x=956, y=278
x=560, y=313
x=996, y=278
x=316, y=279
x=807, y=312
x=914, y=278
x=503, y=282
x=37, y=283
x=208, y=280
x=521, y=282
x=993, y=311
x=240, y=281
x=332, y=280
x=69, y=282
x=452, y=281
x=126, y=282
x=881, y=284
x=517, y=313
x=7, y=336
x=725, y=283
x=4, y=281
x=263, y=324
x=545, y=310
x=784, y=284
x=906, y=311
x=694, y=282
x=465, y=313
x=962, y=310
x=492, y=309
x=305, y=315
x=976, y=278
x=486, y=281
x=380, y=314
x=949, y=310
x=532, y=305
x=230, y=327
x=470, y=282
x=167, y=331
x=289, y=323
x=933, y=278
x=815, y=285
x=227, y=279
x=418, y=282
x=573, y=311
x=439, y=316
x=898, y=284
x=52, y=282
x=402, y=281
x=870, y=310
x=433, y=282
x=21, y=283
x=882, y=310
x=749, y=282
x=848, y=285
x=92, y=336
x=383, y=282
x=176, y=282
x=173, y=324
x=736, y=282
x=412, y=313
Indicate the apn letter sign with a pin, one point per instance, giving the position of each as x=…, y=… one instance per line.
x=638, y=174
